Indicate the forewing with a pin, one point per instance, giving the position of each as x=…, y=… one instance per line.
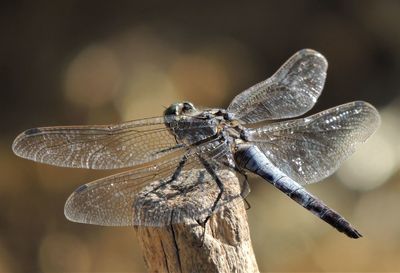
x=97, y=147
x=312, y=148
x=290, y=92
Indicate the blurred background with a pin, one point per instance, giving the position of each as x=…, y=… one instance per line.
x=98, y=62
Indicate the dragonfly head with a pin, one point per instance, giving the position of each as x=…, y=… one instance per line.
x=180, y=108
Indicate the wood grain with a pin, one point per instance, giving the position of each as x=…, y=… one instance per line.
x=181, y=247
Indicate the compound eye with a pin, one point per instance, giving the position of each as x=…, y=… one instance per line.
x=172, y=110
x=187, y=106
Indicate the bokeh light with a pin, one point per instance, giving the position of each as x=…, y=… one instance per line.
x=92, y=78
x=144, y=85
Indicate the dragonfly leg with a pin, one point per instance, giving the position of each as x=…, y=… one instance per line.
x=248, y=206
x=220, y=185
x=203, y=234
x=179, y=168
x=245, y=188
x=176, y=174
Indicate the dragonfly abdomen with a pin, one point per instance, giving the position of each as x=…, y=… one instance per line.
x=251, y=158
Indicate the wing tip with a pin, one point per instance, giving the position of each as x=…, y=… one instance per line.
x=70, y=207
x=15, y=145
x=375, y=120
x=311, y=52
x=75, y=211
x=32, y=131
x=22, y=136
x=81, y=188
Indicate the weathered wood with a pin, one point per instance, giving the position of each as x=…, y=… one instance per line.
x=180, y=247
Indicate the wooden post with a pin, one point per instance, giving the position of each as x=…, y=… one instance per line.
x=181, y=248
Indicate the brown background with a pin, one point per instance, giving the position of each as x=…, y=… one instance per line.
x=96, y=62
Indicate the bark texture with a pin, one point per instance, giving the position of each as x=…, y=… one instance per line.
x=180, y=247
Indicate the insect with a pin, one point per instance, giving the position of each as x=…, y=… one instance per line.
x=253, y=135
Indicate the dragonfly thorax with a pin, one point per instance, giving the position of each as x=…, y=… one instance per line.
x=190, y=125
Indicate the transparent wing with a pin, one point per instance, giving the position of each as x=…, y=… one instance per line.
x=97, y=147
x=147, y=196
x=109, y=201
x=290, y=92
x=312, y=148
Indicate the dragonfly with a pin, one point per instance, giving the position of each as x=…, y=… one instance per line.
x=256, y=134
